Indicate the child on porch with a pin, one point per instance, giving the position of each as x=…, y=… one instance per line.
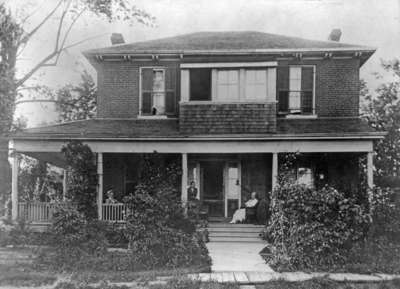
x=240, y=214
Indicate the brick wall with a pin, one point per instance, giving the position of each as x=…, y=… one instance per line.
x=118, y=86
x=227, y=118
x=337, y=86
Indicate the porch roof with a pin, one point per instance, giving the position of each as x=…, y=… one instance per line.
x=125, y=129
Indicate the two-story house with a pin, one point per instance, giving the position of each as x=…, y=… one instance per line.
x=225, y=104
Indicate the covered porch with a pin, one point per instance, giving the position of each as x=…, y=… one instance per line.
x=224, y=170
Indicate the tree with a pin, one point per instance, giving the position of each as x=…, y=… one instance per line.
x=15, y=37
x=68, y=13
x=78, y=102
x=82, y=180
x=382, y=111
x=10, y=33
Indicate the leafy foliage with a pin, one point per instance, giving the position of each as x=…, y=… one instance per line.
x=82, y=179
x=159, y=233
x=382, y=111
x=311, y=228
x=78, y=102
x=38, y=181
x=75, y=238
x=10, y=33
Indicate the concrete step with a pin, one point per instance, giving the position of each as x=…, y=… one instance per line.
x=234, y=234
x=235, y=239
x=228, y=225
x=227, y=229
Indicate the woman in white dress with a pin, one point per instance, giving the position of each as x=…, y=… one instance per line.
x=240, y=214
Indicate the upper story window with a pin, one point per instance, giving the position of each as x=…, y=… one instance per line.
x=227, y=85
x=232, y=82
x=296, y=90
x=157, y=97
x=256, y=84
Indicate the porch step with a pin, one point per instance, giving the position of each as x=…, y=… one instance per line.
x=235, y=239
x=228, y=225
x=225, y=232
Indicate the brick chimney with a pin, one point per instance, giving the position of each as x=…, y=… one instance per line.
x=335, y=35
x=117, y=38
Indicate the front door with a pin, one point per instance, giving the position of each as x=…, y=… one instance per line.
x=232, y=188
x=212, y=187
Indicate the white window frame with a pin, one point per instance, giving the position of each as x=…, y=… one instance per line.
x=269, y=67
x=154, y=68
x=314, y=112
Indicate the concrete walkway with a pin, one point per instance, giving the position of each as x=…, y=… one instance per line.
x=251, y=278
x=237, y=257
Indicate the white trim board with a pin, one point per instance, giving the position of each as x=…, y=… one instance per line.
x=229, y=64
x=249, y=146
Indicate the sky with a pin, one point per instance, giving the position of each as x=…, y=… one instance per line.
x=373, y=23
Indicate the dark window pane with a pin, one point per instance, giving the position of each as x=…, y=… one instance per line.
x=283, y=78
x=306, y=102
x=200, y=84
x=170, y=102
x=147, y=79
x=146, y=103
x=307, y=78
x=283, y=101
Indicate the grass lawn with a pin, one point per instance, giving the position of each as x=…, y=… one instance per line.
x=25, y=275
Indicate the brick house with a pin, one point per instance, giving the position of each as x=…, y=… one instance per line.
x=226, y=105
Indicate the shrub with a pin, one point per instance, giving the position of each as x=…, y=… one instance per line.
x=312, y=228
x=15, y=234
x=74, y=238
x=385, y=214
x=82, y=180
x=159, y=234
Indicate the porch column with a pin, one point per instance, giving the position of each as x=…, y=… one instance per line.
x=184, y=179
x=65, y=179
x=100, y=185
x=370, y=169
x=14, y=186
x=274, y=170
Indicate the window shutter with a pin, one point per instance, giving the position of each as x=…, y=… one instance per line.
x=283, y=78
x=283, y=88
x=170, y=90
x=147, y=88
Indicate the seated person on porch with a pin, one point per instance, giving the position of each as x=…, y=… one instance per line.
x=110, y=197
x=240, y=214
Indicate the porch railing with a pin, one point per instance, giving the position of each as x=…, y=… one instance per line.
x=114, y=212
x=36, y=211
x=42, y=212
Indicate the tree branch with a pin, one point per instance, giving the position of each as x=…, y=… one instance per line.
x=67, y=33
x=45, y=19
x=44, y=61
x=60, y=25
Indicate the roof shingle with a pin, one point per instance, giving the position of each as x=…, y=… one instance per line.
x=168, y=128
x=227, y=40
